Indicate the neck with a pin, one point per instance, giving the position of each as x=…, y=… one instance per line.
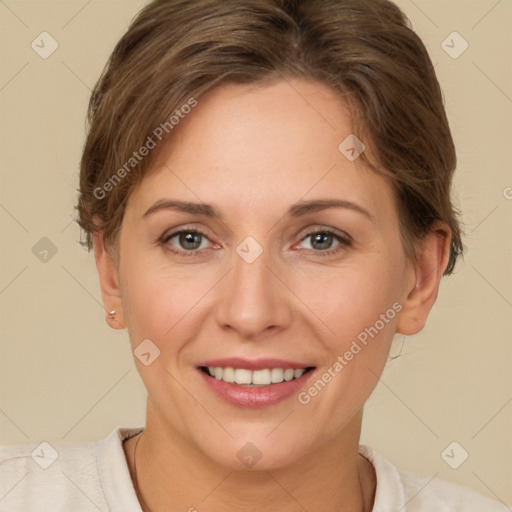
x=173, y=475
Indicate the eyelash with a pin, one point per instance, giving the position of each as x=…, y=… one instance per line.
x=344, y=242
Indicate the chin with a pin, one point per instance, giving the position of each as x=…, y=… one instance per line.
x=256, y=451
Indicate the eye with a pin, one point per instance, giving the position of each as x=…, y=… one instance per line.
x=191, y=241
x=322, y=241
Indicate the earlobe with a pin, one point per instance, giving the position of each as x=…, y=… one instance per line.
x=109, y=282
x=425, y=275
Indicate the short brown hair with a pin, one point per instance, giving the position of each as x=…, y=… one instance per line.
x=176, y=50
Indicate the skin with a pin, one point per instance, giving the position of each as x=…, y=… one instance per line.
x=253, y=152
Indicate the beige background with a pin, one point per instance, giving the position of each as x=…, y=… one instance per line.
x=64, y=375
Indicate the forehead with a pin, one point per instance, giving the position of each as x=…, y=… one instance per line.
x=252, y=147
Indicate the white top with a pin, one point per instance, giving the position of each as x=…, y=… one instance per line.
x=94, y=477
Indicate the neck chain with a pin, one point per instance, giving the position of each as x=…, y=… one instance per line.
x=145, y=507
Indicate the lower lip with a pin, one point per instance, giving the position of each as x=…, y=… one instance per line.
x=255, y=397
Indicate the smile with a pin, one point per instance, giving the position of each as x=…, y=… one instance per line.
x=254, y=378
x=254, y=384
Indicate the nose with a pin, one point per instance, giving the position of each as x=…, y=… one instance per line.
x=254, y=301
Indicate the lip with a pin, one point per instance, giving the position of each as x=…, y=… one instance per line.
x=254, y=397
x=254, y=364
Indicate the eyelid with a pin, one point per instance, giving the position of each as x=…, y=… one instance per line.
x=325, y=229
x=189, y=229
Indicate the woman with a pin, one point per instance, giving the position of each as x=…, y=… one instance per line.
x=266, y=186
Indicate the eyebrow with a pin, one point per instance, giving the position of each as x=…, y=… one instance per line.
x=297, y=210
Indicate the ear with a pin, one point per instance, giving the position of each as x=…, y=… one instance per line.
x=109, y=282
x=424, y=276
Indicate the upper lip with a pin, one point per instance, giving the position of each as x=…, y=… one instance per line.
x=254, y=364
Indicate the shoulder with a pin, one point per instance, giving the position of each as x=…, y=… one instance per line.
x=49, y=476
x=54, y=476
x=425, y=492
x=403, y=490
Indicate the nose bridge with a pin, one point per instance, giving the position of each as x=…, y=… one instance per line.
x=255, y=300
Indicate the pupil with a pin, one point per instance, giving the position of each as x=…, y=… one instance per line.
x=326, y=240
x=188, y=238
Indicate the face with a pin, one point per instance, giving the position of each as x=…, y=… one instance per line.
x=297, y=263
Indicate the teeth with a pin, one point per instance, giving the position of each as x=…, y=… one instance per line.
x=261, y=377
x=276, y=375
x=257, y=377
x=241, y=376
x=288, y=374
x=228, y=375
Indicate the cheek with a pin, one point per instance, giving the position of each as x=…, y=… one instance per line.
x=353, y=298
x=361, y=320
x=160, y=301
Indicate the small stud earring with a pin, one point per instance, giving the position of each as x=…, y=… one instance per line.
x=112, y=314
